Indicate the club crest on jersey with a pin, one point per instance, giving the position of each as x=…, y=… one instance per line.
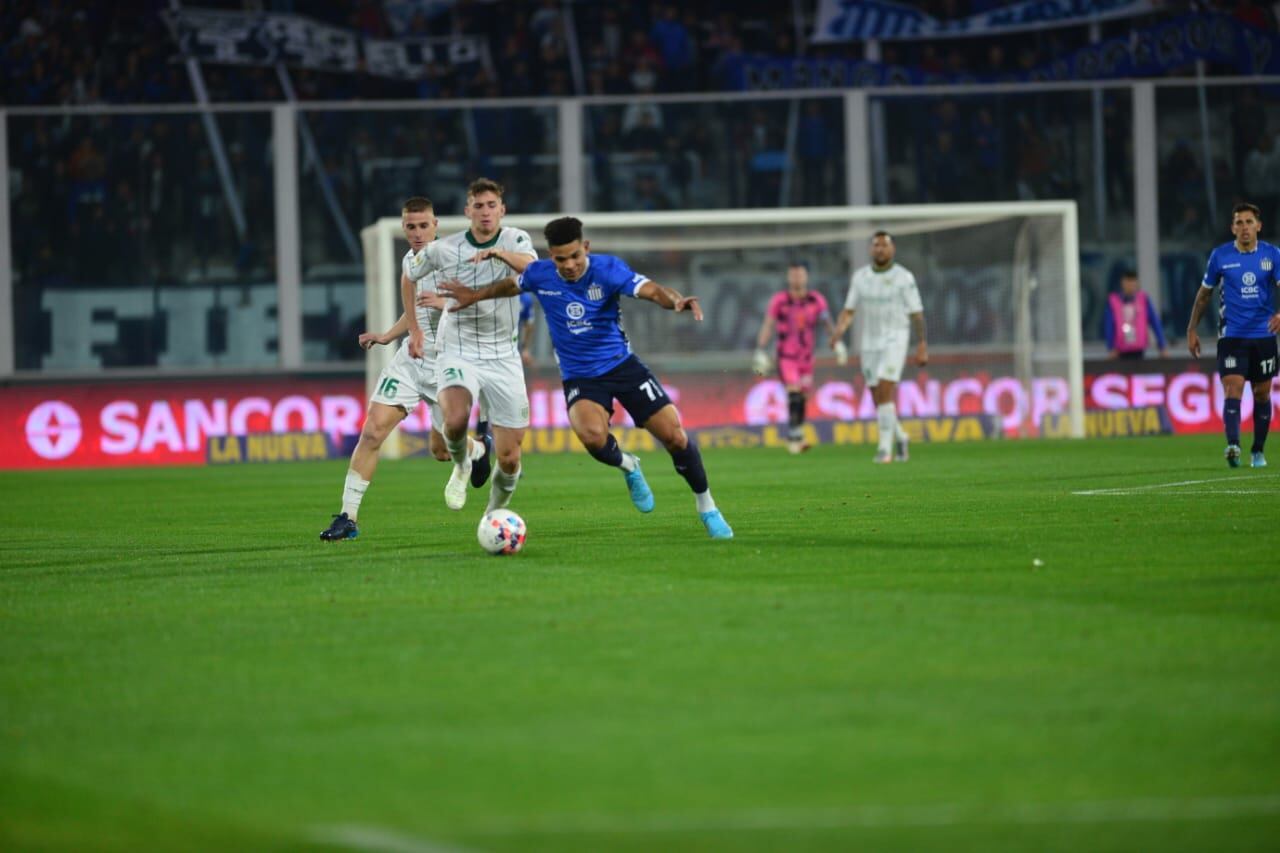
x=1266, y=265
x=594, y=293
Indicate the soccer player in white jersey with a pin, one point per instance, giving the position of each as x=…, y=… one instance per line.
x=404, y=383
x=478, y=349
x=889, y=299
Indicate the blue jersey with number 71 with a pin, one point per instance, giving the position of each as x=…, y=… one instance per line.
x=584, y=317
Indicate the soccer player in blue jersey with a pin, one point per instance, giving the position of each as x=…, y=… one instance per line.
x=579, y=294
x=1248, y=271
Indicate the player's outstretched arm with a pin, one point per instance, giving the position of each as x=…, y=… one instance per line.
x=465, y=296
x=515, y=260
x=670, y=299
x=1197, y=313
x=369, y=339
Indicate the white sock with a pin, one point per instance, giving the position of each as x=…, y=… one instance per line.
x=353, y=493
x=705, y=502
x=628, y=463
x=502, y=488
x=477, y=450
x=886, y=419
x=899, y=433
x=458, y=450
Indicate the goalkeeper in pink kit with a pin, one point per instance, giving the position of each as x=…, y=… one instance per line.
x=796, y=313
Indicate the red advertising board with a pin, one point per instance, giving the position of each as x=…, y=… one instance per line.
x=169, y=422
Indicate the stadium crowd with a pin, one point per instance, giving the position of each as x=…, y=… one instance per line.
x=102, y=178
x=62, y=52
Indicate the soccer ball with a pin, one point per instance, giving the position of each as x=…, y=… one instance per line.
x=501, y=532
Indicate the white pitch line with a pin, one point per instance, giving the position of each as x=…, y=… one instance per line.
x=1128, y=490
x=859, y=817
x=377, y=839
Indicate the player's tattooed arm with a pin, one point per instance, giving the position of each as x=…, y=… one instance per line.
x=465, y=296
x=1197, y=312
x=922, y=348
x=669, y=298
x=515, y=260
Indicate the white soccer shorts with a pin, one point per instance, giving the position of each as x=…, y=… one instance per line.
x=886, y=360
x=497, y=383
x=407, y=381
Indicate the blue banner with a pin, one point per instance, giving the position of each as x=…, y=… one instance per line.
x=860, y=20
x=1151, y=52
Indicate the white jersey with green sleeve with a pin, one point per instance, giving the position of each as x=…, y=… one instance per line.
x=886, y=299
x=490, y=328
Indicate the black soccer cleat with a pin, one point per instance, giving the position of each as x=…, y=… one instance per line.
x=481, y=467
x=341, y=528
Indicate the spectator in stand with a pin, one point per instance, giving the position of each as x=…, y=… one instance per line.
x=1262, y=174
x=1190, y=226
x=987, y=138
x=644, y=137
x=648, y=194
x=814, y=148
x=676, y=48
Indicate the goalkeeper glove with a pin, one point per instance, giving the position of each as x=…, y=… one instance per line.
x=842, y=352
x=760, y=362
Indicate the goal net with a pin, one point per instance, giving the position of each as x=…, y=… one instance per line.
x=999, y=283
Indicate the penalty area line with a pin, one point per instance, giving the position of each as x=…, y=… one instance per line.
x=1129, y=490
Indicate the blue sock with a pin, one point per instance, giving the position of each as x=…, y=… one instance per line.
x=1231, y=420
x=610, y=454
x=689, y=465
x=1261, y=423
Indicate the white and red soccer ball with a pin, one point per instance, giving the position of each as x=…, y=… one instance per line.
x=501, y=532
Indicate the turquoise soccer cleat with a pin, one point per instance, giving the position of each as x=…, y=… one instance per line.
x=717, y=527
x=641, y=494
x=1257, y=460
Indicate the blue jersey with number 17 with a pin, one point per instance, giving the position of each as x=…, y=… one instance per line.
x=1248, y=279
x=583, y=316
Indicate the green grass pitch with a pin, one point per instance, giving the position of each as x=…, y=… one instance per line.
x=875, y=662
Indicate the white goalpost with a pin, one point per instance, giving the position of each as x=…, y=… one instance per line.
x=1000, y=282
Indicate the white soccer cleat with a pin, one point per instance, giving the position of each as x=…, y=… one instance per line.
x=455, y=491
x=883, y=457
